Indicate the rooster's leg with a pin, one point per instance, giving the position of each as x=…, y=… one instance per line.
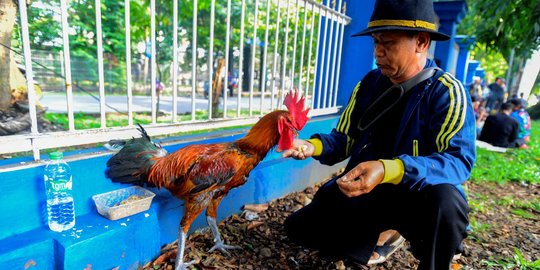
x=191, y=211
x=211, y=213
x=180, y=264
x=220, y=245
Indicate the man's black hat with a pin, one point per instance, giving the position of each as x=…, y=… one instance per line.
x=410, y=15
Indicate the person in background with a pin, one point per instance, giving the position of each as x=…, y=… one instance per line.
x=501, y=129
x=480, y=112
x=496, y=94
x=481, y=117
x=524, y=120
x=476, y=87
x=409, y=152
x=476, y=102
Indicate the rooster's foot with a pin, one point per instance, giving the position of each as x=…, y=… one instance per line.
x=183, y=265
x=223, y=248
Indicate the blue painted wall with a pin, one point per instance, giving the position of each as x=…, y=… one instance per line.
x=450, y=14
x=464, y=43
x=471, y=70
x=357, y=54
x=357, y=59
x=132, y=241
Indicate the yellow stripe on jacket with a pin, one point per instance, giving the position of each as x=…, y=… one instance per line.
x=344, y=123
x=455, y=116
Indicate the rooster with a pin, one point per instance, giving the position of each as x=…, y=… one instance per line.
x=202, y=174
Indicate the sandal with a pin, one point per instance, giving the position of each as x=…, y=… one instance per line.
x=384, y=251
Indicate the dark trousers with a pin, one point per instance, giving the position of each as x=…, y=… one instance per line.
x=434, y=220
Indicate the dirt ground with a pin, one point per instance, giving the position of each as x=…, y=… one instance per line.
x=496, y=233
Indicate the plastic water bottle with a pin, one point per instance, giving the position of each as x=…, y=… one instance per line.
x=58, y=183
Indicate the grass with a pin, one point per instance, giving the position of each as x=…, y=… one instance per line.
x=477, y=229
x=518, y=262
x=517, y=165
x=520, y=165
x=523, y=209
x=479, y=203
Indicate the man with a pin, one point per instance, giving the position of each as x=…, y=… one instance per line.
x=496, y=94
x=501, y=129
x=409, y=152
x=476, y=87
x=524, y=120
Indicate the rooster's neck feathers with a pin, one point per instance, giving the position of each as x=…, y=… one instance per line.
x=263, y=135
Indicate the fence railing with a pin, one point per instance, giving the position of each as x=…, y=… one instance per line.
x=224, y=69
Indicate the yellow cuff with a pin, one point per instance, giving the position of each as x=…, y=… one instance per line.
x=393, y=171
x=317, y=144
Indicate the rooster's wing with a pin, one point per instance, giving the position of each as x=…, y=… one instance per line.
x=198, y=168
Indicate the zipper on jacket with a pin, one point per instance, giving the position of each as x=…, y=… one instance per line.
x=415, y=148
x=400, y=133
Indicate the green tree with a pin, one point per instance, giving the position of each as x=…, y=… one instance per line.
x=511, y=28
x=504, y=25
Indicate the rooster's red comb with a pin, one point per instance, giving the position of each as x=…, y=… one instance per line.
x=294, y=101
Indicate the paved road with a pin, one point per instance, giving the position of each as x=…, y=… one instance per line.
x=56, y=103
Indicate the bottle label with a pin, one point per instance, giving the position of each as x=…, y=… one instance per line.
x=60, y=185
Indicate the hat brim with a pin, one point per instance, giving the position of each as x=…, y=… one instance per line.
x=438, y=36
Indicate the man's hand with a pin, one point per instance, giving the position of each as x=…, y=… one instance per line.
x=300, y=150
x=362, y=179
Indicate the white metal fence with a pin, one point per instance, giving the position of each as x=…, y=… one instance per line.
x=269, y=48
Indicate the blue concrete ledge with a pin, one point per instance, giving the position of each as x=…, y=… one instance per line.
x=98, y=243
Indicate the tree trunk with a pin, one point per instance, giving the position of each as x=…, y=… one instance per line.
x=217, y=85
x=516, y=80
x=8, y=13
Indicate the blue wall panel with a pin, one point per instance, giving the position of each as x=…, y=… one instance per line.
x=357, y=59
x=132, y=241
x=36, y=256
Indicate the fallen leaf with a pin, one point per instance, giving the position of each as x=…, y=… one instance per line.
x=257, y=208
x=165, y=257
x=254, y=224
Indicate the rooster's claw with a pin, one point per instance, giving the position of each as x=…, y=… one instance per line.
x=223, y=248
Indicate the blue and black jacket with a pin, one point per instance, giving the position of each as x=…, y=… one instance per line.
x=435, y=141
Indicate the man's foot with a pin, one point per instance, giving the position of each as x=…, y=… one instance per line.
x=388, y=243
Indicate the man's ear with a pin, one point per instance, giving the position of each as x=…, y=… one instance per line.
x=423, y=41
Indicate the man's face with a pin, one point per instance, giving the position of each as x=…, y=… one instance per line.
x=395, y=52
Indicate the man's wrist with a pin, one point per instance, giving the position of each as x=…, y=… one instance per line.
x=317, y=146
x=393, y=171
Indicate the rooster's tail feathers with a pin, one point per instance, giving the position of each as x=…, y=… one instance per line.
x=132, y=163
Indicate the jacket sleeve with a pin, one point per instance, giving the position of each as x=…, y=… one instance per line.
x=451, y=141
x=337, y=145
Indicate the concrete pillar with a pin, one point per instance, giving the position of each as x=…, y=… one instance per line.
x=480, y=72
x=464, y=43
x=471, y=70
x=357, y=55
x=450, y=14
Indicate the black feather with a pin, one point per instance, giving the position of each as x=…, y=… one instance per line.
x=131, y=164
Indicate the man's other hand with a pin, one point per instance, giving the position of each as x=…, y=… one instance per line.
x=361, y=179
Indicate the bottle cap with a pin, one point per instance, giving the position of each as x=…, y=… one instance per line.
x=56, y=155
